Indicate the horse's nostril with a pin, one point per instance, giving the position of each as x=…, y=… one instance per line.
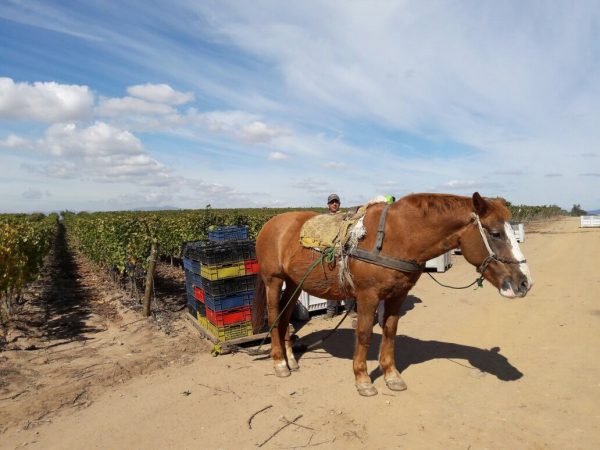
x=524, y=284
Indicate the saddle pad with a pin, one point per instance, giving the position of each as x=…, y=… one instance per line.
x=321, y=231
x=335, y=230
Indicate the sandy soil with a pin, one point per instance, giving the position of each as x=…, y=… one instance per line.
x=482, y=372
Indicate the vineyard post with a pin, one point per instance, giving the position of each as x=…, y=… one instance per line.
x=150, y=277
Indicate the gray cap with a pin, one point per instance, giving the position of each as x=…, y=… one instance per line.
x=332, y=198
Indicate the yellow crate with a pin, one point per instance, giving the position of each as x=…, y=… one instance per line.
x=220, y=272
x=229, y=332
x=203, y=321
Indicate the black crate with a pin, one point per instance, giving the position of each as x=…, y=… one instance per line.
x=226, y=287
x=217, y=253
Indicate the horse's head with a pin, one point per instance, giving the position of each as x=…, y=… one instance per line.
x=490, y=244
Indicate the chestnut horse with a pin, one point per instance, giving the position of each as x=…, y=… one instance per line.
x=417, y=227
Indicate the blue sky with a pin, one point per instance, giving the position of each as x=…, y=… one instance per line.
x=112, y=105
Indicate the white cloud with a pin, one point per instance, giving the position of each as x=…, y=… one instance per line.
x=278, y=156
x=114, y=107
x=44, y=101
x=14, y=141
x=160, y=93
x=100, y=152
x=454, y=185
x=259, y=132
x=335, y=165
x=35, y=194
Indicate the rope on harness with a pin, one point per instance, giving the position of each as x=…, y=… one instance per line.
x=328, y=256
x=478, y=281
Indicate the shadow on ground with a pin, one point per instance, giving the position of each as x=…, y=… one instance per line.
x=64, y=303
x=409, y=350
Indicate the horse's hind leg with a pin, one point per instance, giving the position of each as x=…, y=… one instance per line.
x=273, y=291
x=387, y=360
x=288, y=303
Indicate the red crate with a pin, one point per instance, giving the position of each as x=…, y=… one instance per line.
x=199, y=294
x=251, y=266
x=229, y=316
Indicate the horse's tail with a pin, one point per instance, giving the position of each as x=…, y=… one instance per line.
x=260, y=303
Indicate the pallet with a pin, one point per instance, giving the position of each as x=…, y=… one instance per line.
x=226, y=346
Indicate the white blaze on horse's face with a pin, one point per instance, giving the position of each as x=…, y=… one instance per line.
x=517, y=256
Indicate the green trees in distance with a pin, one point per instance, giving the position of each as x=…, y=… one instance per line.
x=577, y=211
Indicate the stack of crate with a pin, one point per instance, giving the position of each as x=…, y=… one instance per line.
x=220, y=280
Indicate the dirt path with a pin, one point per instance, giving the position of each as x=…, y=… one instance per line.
x=483, y=372
x=74, y=338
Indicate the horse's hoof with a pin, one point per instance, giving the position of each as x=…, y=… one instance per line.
x=396, y=384
x=366, y=389
x=282, y=371
x=293, y=364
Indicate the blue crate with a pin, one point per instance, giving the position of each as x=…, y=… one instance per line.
x=190, y=297
x=228, y=233
x=194, y=306
x=191, y=265
x=235, y=301
x=192, y=279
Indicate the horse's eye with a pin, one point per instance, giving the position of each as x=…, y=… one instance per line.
x=496, y=234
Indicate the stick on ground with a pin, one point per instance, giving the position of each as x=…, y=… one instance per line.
x=288, y=423
x=257, y=412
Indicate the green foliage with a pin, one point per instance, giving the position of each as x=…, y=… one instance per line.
x=122, y=240
x=24, y=242
x=524, y=213
x=576, y=210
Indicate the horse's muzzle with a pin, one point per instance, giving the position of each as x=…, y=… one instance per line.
x=516, y=288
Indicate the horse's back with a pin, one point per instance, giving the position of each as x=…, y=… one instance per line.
x=279, y=235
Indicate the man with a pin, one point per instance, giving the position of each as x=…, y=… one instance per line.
x=333, y=204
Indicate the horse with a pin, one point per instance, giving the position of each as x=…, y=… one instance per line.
x=418, y=227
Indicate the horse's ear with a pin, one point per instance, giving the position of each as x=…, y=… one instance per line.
x=480, y=205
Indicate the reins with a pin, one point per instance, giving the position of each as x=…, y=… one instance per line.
x=478, y=281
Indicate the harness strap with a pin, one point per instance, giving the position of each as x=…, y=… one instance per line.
x=373, y=256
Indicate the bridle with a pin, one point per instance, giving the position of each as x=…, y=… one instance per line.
x=491, y=255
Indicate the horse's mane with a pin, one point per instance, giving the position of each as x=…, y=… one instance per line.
x=428, y=204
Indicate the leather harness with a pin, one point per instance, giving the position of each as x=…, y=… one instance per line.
x=374, y=257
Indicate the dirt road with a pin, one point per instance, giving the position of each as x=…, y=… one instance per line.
x=483, y=372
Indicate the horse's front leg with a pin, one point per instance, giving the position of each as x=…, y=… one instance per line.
x=387, y=359
x=364, y=331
